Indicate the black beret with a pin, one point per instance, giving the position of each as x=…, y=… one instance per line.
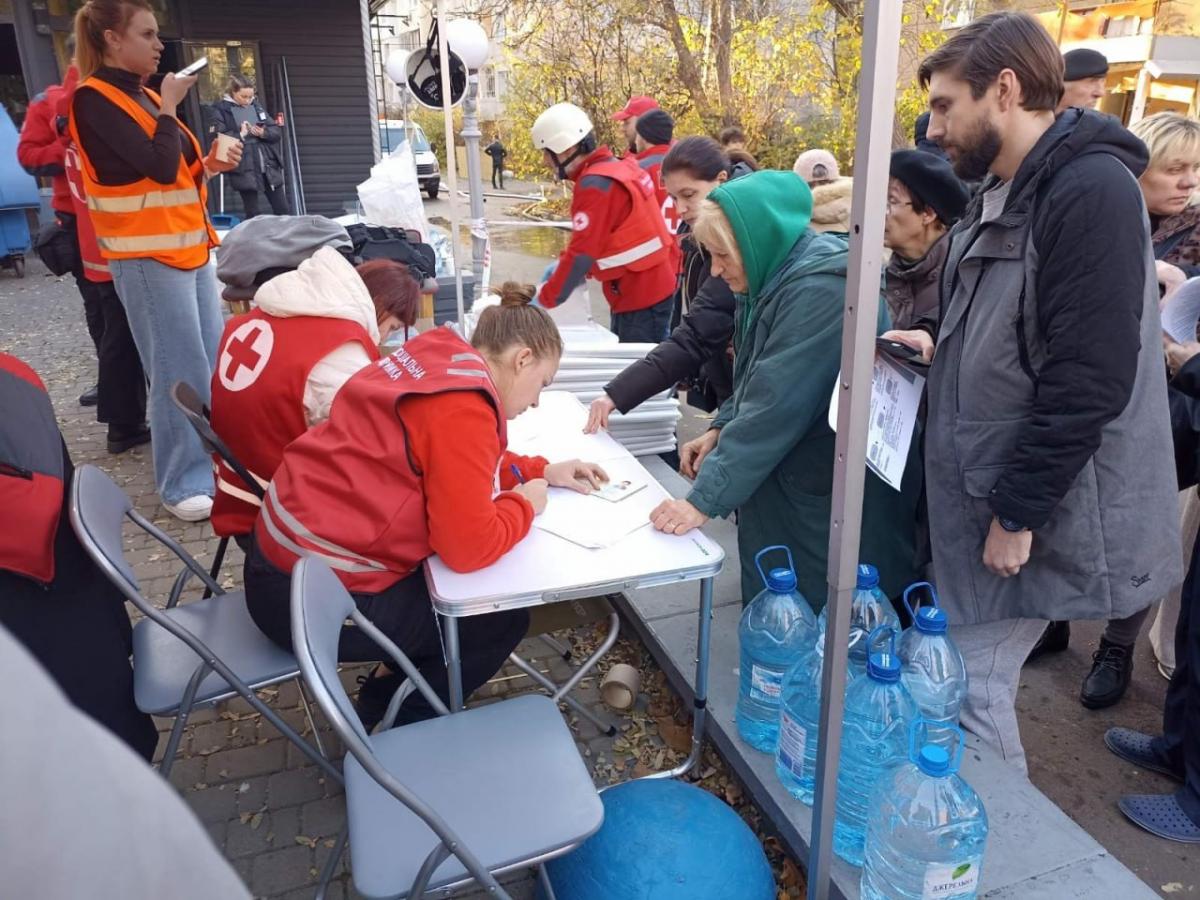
x=1084, y=63
x=930, y=179
x=656, y=127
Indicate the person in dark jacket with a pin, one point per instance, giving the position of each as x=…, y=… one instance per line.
x=924, y=199
x=1173, y=142
x=1176, y=753
x=1048, y=460
x=497, y=152
x=261, y=169
x=769, y=453
x=697, y=350
x=53, y=598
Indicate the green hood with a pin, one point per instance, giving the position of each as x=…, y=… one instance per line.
x=769, y=211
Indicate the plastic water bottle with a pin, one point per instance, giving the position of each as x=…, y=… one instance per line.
x=879, y=713
x=927, y=828
x=776, y=629
x=870, y=609
x=932, y=666
x=799, y=724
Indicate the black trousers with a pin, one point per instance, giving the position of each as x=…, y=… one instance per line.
x=497, y=173
x=1180, y=743
x=405, y=614
x=277, y=197
x=121, y=383
x=644, y=326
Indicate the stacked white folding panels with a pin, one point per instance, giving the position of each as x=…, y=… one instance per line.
x=591, y=359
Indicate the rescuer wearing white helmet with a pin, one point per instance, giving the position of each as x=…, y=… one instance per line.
x=618, y=238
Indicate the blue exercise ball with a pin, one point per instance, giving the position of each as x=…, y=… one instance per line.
x=665, y=840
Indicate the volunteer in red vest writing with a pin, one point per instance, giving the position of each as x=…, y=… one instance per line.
x=618, y=238
x=412, y=462
x=144, y=177
x=280, y=366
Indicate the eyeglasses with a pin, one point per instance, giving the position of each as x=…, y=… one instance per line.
x=894, y=203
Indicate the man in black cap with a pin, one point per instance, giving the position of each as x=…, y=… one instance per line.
x=1085, y=72
x=924, y=199
x=652, y=140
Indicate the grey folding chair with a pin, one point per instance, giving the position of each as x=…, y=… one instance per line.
x=186, y=656
x=480, y=792
x=188, y=402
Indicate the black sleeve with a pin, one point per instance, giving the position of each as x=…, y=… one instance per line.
x=702, y=333
x=106, y=131
x=1091, y=240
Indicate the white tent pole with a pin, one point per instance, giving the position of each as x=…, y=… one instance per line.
x=451, y=156
x=872, y=157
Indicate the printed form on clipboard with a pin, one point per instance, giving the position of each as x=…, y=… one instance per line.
x=896, y=392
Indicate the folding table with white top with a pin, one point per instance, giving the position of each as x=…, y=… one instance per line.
x=546, y=568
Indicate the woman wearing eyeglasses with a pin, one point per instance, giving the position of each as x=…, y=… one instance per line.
x=261, y=169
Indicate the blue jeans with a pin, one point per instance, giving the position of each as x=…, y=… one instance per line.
x=175, y=317
x=644, y=326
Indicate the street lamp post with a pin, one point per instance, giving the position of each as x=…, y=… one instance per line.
x=469, y=41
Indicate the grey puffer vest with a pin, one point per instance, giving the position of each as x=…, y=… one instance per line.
x=1111, y=547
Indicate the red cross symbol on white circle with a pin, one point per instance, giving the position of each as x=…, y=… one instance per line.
x=246, y=354
x=670, y=215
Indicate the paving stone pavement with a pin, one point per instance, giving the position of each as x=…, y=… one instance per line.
x=272, y=812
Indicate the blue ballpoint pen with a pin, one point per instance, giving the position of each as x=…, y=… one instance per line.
x=516, y=473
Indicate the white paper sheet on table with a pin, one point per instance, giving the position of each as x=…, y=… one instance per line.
x=554, y=429
x=596, y=523
x=895, y=400
x=1182, y=312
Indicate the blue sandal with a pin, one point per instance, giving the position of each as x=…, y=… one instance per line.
x=1138, y=748
x=1161, y=815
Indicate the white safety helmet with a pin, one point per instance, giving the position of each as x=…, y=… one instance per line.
x=561, y=127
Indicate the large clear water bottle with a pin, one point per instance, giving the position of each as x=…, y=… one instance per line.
x=799, y=723
x=776, y=629
x=932, y=666
x=926, y=829
x=869, y=609
x=879, y=712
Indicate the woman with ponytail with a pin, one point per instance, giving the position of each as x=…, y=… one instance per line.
x=145, y=176
x=412, y=461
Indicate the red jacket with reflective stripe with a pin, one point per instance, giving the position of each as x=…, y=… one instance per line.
x=651, y=160
x=39, y=150
x=347, y=491
x=263, y=364
x=31, y=473
x=618, y=238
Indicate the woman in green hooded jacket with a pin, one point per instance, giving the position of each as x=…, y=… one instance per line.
x=769, y=453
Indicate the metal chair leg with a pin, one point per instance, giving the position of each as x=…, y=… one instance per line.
x=181, y=717
x=332, y=863
x=557, y=646
x=312, y=723
x=216, y=566
x=544, y=878
x=607, y=728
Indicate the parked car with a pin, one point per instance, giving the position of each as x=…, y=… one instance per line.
x=394, y=132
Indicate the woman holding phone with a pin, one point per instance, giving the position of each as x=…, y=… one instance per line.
x=261, y=169
x=145, y=180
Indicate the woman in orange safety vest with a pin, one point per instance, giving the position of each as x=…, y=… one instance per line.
x=144, y=175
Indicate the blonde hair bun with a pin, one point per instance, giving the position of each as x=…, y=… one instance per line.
x=513, y=293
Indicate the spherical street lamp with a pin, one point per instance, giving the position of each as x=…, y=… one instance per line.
x=469, y=41
x=396, y=64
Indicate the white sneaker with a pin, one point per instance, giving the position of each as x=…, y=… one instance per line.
x=191, y=509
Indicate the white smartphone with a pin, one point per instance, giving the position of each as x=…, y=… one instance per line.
x=195, y=67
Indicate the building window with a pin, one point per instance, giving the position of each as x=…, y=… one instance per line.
x=489, y=84
x=958, y=13
x=410, y=40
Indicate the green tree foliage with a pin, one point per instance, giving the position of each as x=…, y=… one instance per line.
x=786, y=72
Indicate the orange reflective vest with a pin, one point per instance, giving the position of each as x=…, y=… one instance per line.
x=148, y=220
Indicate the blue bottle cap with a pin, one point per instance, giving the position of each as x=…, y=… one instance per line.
x=930, y=620
x=781, y=580
x=884, y=667
x=868, y=577
x=934, y=760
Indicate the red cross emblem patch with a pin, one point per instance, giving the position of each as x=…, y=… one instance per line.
x=246, y=354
